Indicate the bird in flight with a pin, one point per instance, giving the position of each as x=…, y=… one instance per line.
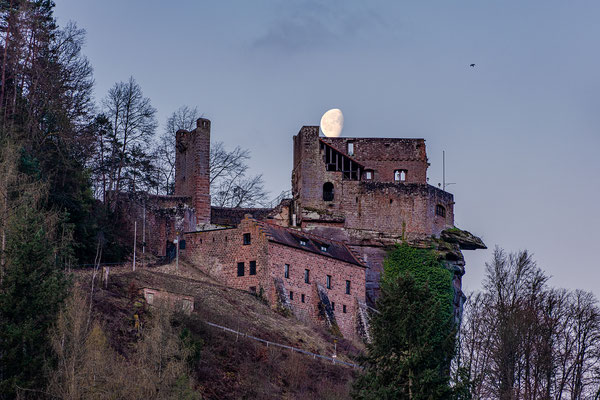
x=472, y=65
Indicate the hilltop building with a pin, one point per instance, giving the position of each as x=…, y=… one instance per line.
x=320, y=253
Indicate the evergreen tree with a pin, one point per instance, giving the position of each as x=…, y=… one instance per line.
x=413, y=332
x=45, y=108
x=412, y=344
x=32, y=290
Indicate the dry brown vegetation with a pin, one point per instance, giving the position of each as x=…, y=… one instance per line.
x=88, y=367
x=214, y=363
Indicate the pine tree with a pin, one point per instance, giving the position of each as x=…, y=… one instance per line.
x=31, y=293
x=412, y=345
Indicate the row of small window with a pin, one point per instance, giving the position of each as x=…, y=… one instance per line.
x=328, y=280
x=241, y=268
x=303, y=300
x=399, y=175
x=321, y=246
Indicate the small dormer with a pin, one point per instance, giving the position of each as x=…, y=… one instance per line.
x=350, y=148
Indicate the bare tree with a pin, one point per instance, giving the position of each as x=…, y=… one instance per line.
x=523, y=340
x=184, y=117
x=240, y=192
x=230, y=187
x=133, y=123
x=229, y=184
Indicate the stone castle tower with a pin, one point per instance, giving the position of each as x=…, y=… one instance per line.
x=192, y=171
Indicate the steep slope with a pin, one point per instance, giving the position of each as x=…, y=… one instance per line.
x=229, y=366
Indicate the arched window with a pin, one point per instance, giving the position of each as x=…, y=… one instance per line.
x=328, y=191
x=440, y=210
x=400, y=175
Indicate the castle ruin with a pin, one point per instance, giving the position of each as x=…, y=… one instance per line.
x=318, y=254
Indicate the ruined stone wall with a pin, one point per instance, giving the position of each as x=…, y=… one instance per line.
x=319, y=267
x=164, y=216
x=373, y=257
x=381, y=205
x=401, y=209
x=192, y=172
x=173, y=301
x=385, y=155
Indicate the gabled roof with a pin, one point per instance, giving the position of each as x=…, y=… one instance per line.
x=309, y=242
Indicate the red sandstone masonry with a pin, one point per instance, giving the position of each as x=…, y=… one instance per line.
x=217, y=252
x=367, y=214
x=192, y=172
x=379, y=205
x=319, y=267
x=164, y=216
x=384, y=155
x=364, y=214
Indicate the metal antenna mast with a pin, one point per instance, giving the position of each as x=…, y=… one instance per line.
x=444, y=184
x=444, y=170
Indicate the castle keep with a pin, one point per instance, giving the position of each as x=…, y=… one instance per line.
x=367, y=192
x=318, y=254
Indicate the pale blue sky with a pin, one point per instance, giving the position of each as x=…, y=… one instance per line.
x=521, y=130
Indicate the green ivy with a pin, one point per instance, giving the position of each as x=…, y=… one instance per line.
x=426, y=268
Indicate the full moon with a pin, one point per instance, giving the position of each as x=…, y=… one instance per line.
x=332, y=122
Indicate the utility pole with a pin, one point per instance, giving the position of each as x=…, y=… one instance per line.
x=177, y=252
x=144, y=236
x=134, y=241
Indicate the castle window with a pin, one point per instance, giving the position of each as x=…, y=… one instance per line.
x=323, y=247
x=303, y=242
x=240, y=269
x=247, y=238
x=302, y=298
x=400, y=175
x=328, y=282
x=344, y=309
x=350, y=148
x=333, y=306
x=368, y=175
x=440, y=210
x=306, y=276
x=149, y=298
x=286, y=271
x=291, y=295
x=252, y=267
x=347, y=287
x=328, y=191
